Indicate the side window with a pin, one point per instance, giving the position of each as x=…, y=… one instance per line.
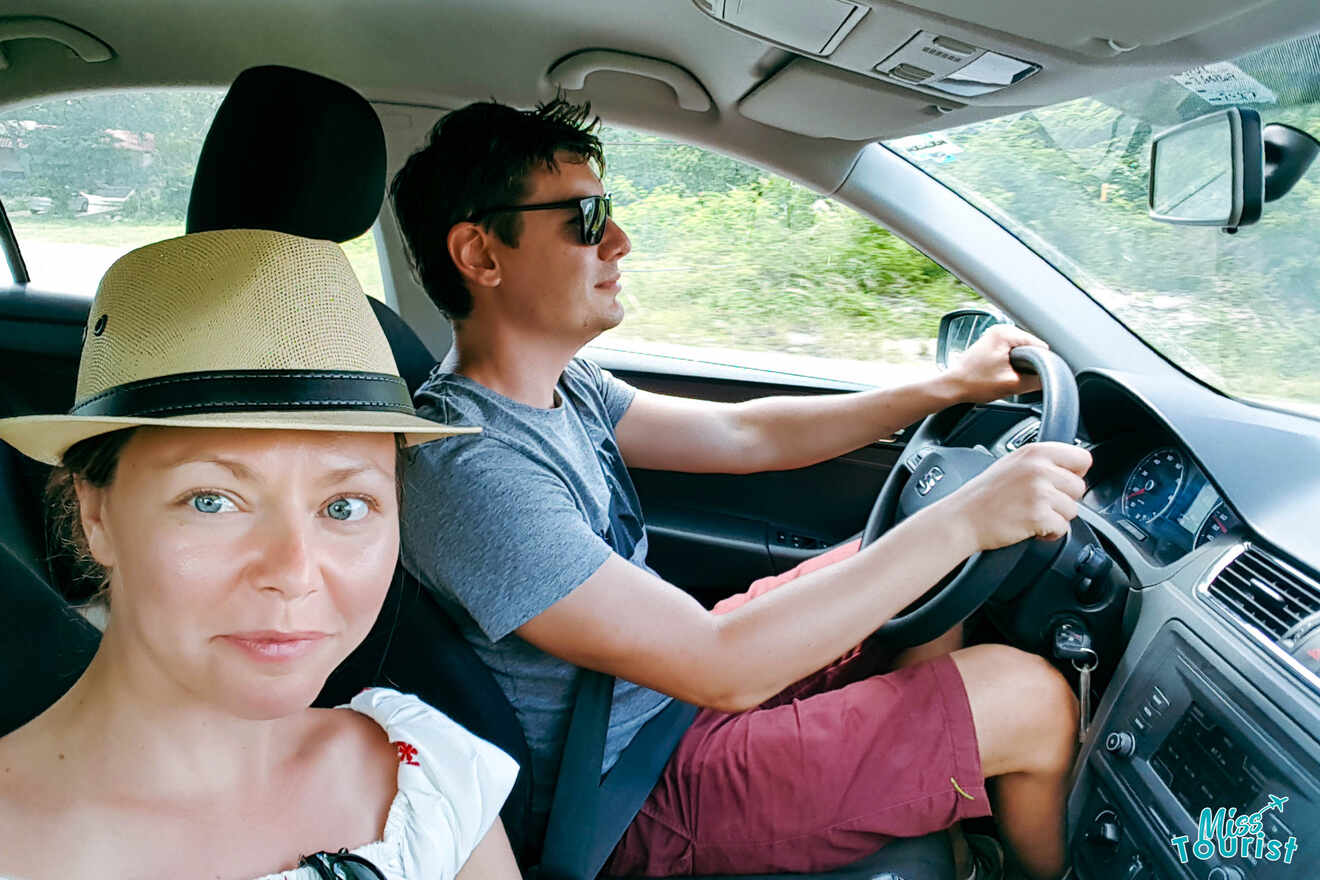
x=85, y=180
x=733, y=265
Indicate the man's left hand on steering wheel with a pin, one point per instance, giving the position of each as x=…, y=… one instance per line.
x=983, y=373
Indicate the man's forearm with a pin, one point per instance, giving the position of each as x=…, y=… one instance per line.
x=765, y=645
x=792, y=432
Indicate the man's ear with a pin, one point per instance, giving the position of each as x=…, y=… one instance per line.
x=469, y=248
x=91, y=513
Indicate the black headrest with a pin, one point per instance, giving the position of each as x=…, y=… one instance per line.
x=301, y=154
x=290, y=151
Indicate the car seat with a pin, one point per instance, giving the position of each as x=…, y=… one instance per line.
x=320, y=154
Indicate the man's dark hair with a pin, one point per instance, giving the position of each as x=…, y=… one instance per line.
x=476, y=158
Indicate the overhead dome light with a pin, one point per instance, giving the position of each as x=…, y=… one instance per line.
x=816, y=27
x=953, y=67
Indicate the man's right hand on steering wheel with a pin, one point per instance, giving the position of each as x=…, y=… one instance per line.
x=1030, y=493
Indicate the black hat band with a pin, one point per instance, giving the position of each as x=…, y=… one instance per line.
x=250, y=391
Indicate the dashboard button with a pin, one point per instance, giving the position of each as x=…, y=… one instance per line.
x=1121, y=743
x=1307, y=652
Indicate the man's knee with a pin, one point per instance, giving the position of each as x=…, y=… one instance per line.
x=1024, y=710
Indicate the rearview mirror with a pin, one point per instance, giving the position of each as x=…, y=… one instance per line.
x=1210, y=171
x=959, y=331
x=1221, y=168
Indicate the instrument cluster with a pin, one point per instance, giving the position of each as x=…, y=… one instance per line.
x=1159, y=497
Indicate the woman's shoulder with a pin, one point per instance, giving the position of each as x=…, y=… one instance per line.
x=427, y=740
x=451, y=783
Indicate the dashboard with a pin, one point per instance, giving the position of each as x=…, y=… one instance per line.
x=1209, y=689
x=1212, y=699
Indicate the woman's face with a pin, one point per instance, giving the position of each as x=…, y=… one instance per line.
x=245, y=564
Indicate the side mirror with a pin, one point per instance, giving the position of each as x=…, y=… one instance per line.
x=959, y=331
x=1220, y=169
x=1210, y=171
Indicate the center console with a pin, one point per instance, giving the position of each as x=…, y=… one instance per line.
x=1189, y=734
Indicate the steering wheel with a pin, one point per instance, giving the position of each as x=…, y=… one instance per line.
x=930, y=471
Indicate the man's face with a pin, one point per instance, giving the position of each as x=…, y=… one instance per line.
x=551, y=283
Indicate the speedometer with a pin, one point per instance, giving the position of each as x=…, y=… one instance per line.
x=1217, y=524
x=1153, y=485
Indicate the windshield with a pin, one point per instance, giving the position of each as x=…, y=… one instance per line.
x=1239, y=311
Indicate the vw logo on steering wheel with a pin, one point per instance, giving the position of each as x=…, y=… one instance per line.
x=928, y=480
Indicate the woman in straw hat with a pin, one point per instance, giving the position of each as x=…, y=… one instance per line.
x=230, y=465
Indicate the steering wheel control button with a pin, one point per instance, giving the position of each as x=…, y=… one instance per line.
x=1121, y=743
x=915, y=459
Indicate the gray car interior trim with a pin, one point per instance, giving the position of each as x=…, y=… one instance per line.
x=388, y=52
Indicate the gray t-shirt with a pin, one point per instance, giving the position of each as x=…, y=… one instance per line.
x=503, y=524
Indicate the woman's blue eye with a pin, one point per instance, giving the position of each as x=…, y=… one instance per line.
x=346, y=509
x=212, y=502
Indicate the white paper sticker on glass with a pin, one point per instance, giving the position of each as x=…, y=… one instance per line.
x=1225, y=83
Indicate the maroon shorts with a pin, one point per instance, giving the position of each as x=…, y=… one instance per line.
x=821, y=775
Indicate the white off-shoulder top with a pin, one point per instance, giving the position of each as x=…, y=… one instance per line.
x=451, y=787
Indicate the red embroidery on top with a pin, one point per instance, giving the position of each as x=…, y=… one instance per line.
x=407, y=753
x=1314, y=653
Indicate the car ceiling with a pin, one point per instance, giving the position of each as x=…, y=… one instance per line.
x=798, y=113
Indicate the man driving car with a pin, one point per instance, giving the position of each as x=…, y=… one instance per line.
x=814, y=746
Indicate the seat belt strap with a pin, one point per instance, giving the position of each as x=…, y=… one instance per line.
x=589, y=814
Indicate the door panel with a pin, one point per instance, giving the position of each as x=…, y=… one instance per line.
x=713, y=534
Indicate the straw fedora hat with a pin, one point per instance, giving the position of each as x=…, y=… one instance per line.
x=234, y=328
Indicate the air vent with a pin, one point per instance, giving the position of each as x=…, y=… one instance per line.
x=1267, y=595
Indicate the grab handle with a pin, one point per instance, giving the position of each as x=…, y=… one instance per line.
x=572, y=72
x=23, y=27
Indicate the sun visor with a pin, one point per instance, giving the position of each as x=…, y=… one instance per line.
x=817, y=100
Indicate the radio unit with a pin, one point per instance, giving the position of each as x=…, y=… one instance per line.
x=1188, y=754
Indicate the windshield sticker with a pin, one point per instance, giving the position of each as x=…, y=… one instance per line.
x=927, y=148
x=1248, y=836
x=1225, y=83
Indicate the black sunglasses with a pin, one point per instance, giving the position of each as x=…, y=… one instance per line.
x=342, y=865
x=593, y=212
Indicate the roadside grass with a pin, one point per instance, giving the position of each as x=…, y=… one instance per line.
x=124, y=235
